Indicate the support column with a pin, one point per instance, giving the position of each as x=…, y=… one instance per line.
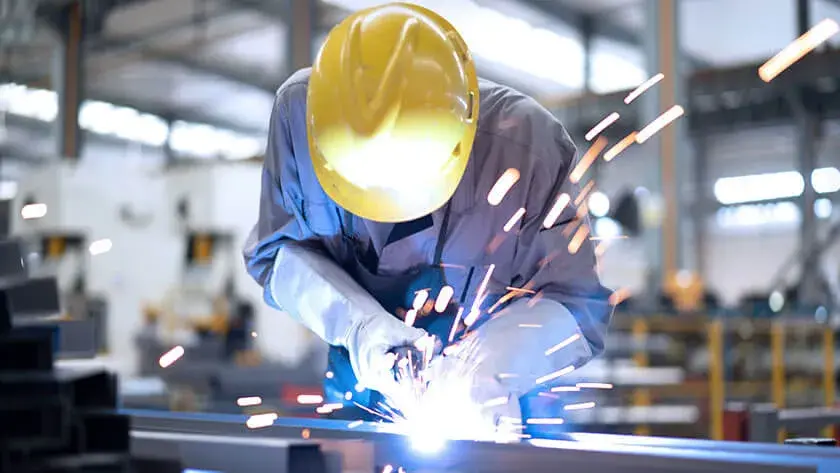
x=69, y=80
x=587, y=32
x=808, y=125
x=302, y=15
x=661, y=40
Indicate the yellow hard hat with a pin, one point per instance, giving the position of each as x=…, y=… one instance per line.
x=391, y=112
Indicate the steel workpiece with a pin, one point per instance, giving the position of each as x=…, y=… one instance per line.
x=376, y=449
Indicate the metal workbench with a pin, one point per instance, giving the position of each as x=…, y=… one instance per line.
x=223, y=443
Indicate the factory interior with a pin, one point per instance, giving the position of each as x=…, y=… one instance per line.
x=133, y=339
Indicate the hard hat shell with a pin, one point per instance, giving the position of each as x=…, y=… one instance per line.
x=392, y=107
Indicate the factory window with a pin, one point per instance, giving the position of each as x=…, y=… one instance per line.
x=779, y=214
x=103, y=118
x=771, y=186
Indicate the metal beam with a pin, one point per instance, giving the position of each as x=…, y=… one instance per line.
x=600, y=26
x=239, y=75
x=598, y=454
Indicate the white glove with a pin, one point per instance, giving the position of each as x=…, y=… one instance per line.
x=317, y=292
x=506, y=357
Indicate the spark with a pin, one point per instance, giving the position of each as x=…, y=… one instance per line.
x=584, y=193
x=455, y=324
x=444, y=298
x=371, y=411
x=588, y=158
x=502, y=186
x=354, y=424
x=513, y=219
x=594, y=385
x=535, y=299
x=167, y=359
x=508, y=296
x=410, y=317
x=33, y=211
x=578, y=239
x=420, y=298
x=249, y=401
x=507, y=375
x=796, y=50
x=496, y=242
x=548, y=421
x=579, y=406
x=359, y=388
x=565, y=389
x=99, y=247
x=659, y=123
x=329, y=375
x=479, y=296
x=258, y=421
x=562, y=344
x=530, y=326
x=388, y=469
x=556, y=209
x=348, y=396
x=619, y=296
x=521, y=289
x=602, y=125
x=643, y=87
x=555, y=375
x=307, y=399
x=601, y=248
x=620, y=146
x=496, y=402
x=472, y=317
x=253, y=334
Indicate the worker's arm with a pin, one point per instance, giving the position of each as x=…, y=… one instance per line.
x=286, y=252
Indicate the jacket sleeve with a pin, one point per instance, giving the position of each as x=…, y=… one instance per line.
x=281, y=219
x=559, y=261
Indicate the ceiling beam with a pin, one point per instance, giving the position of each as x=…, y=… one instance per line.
x=600, y=26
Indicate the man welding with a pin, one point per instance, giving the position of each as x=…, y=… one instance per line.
x=403, y=197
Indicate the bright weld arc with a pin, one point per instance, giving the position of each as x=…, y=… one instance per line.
x=588, y=158
x=419, y=299
x=444, y=298
x=556, y=209
x=643, y=87
x=555, y=375
x=620, y=146
x=249, y=401
x=502, y=186
x=563, y=344
x=513, y=219
x=167, y=359
x=659, y=123
x=549, y=421
x=602, y=125
x=796, y=50
x=579, y=406
x=455, y=323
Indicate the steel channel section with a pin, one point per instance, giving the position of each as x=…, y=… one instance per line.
x=598, y=453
